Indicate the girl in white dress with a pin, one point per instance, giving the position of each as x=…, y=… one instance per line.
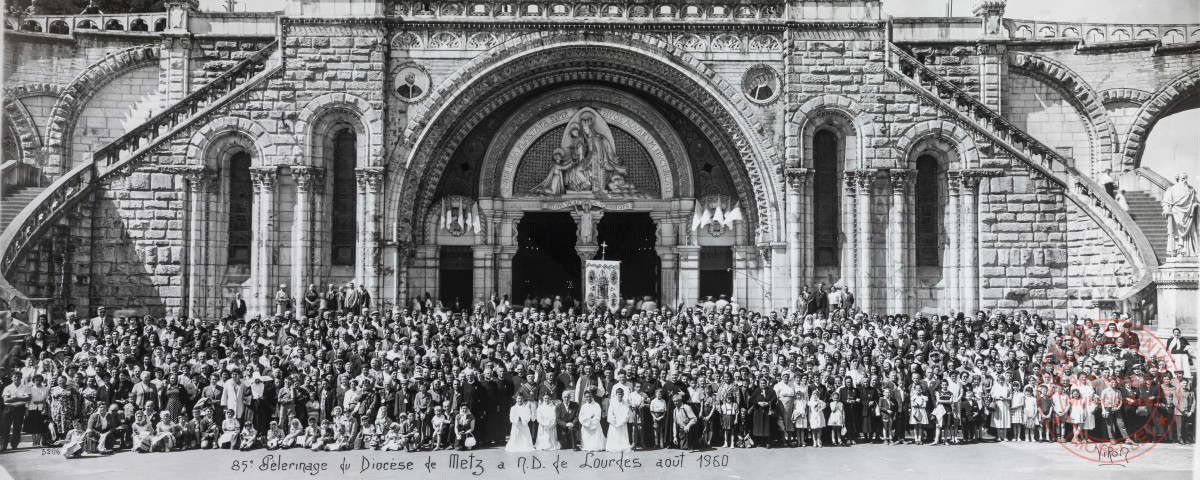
x=618, y=425
x=816, y=417
x=519, y=439
x=592, y=435
x=547, y=420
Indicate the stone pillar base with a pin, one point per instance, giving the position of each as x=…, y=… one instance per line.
x=1178, y=294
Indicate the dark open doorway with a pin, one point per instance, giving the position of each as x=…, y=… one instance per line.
x=546, y=263
x=455, y=277
x=629, y=237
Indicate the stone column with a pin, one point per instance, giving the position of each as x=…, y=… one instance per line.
x=950, y=271
x=369, y=181
x=482, y=257
x=806, y=227
x=424, y=271
x=898, y=240
x=796, y=178
x=200, y=182
x=848, y=247
x=670, y=277
x=667, y=238
x=745, y=283
x=969, y=255
x=689, y=274
x=302, y=254
x=263, y=251
x=863, y=287
x=504, y=263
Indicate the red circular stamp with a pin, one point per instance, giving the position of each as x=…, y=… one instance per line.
x=1108, y=391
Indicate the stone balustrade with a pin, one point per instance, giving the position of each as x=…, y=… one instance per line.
x=68, y=24
x=1093, y=33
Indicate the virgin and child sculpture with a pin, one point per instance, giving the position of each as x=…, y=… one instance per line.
x=587, y=160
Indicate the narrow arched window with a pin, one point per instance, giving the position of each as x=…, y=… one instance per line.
x=928, y=211
x=345, y=198
x=241, y=201
x=826, y=200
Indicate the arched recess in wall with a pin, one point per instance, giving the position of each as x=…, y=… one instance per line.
x=75, y=97
x=339, y=135
x=930, y=160
x=464, y=98
x=228, y=148
x=1181, y=94
x=1054, y=126
x=828, y=129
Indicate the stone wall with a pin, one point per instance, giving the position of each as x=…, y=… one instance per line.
x=37, y=59
x=1034, y=106
x=1023, y=249
x=125, y=103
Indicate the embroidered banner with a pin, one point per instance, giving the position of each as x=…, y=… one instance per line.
x=602, y=284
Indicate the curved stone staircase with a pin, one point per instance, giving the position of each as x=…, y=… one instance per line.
x=121, y=156
x=1078, y=187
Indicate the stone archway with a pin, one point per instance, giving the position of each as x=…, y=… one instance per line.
x=1161, y=103
x=633, y=62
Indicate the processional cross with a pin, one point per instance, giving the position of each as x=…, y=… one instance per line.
x=602, y=245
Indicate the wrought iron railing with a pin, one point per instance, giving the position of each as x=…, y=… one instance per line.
x=125, y=151
x=1081, y=189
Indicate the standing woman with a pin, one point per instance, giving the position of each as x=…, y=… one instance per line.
x=464, y=428
x=785, y=390
x=172, y=396
x=762, y=406
x=1001, y=413
x=37, y=423
x=62, y=402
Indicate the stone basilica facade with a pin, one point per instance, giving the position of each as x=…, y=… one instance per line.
x=161, y=163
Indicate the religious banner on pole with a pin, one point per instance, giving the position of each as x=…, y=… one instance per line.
x=602, y=284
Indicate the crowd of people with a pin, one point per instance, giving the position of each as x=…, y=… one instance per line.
x=329, y=371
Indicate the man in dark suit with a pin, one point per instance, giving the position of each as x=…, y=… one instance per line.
x=820, y=300
x=237, y=307
x=568, y=426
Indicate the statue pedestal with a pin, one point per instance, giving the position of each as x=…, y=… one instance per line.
x=1178, y=283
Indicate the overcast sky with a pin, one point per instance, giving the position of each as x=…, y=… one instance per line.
x=1173, y=145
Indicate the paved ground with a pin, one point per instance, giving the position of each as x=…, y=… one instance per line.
x=986, y=461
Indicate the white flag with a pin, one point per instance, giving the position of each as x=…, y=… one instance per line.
x=707, y=217
x=475, y=225
x=461, y=223
x=696, y=216
x=445, y=215
x=735, y=214
x=719, y=215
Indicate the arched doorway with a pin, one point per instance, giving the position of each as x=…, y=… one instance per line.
x=628, y=237
x=721, y=156
x=546, y=263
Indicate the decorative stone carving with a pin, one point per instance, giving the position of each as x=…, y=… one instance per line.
x=412, y=82
x=445, y=40
x=761, y=84
x=765, y=43
x=264, y=178
x=690, y=42
x=727, y=43
x=405, y=41
x=482, y=40
x=587, y=160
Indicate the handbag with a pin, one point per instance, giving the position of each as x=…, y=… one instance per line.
x=470, y=441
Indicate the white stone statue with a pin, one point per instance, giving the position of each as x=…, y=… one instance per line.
x=1181, y=208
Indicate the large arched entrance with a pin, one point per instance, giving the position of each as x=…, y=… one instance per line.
x=675, y=141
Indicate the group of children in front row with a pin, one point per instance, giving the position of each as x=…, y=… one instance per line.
x=340, y=432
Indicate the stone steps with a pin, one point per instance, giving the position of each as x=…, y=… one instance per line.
x=13, y=203
x=1147, y=213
